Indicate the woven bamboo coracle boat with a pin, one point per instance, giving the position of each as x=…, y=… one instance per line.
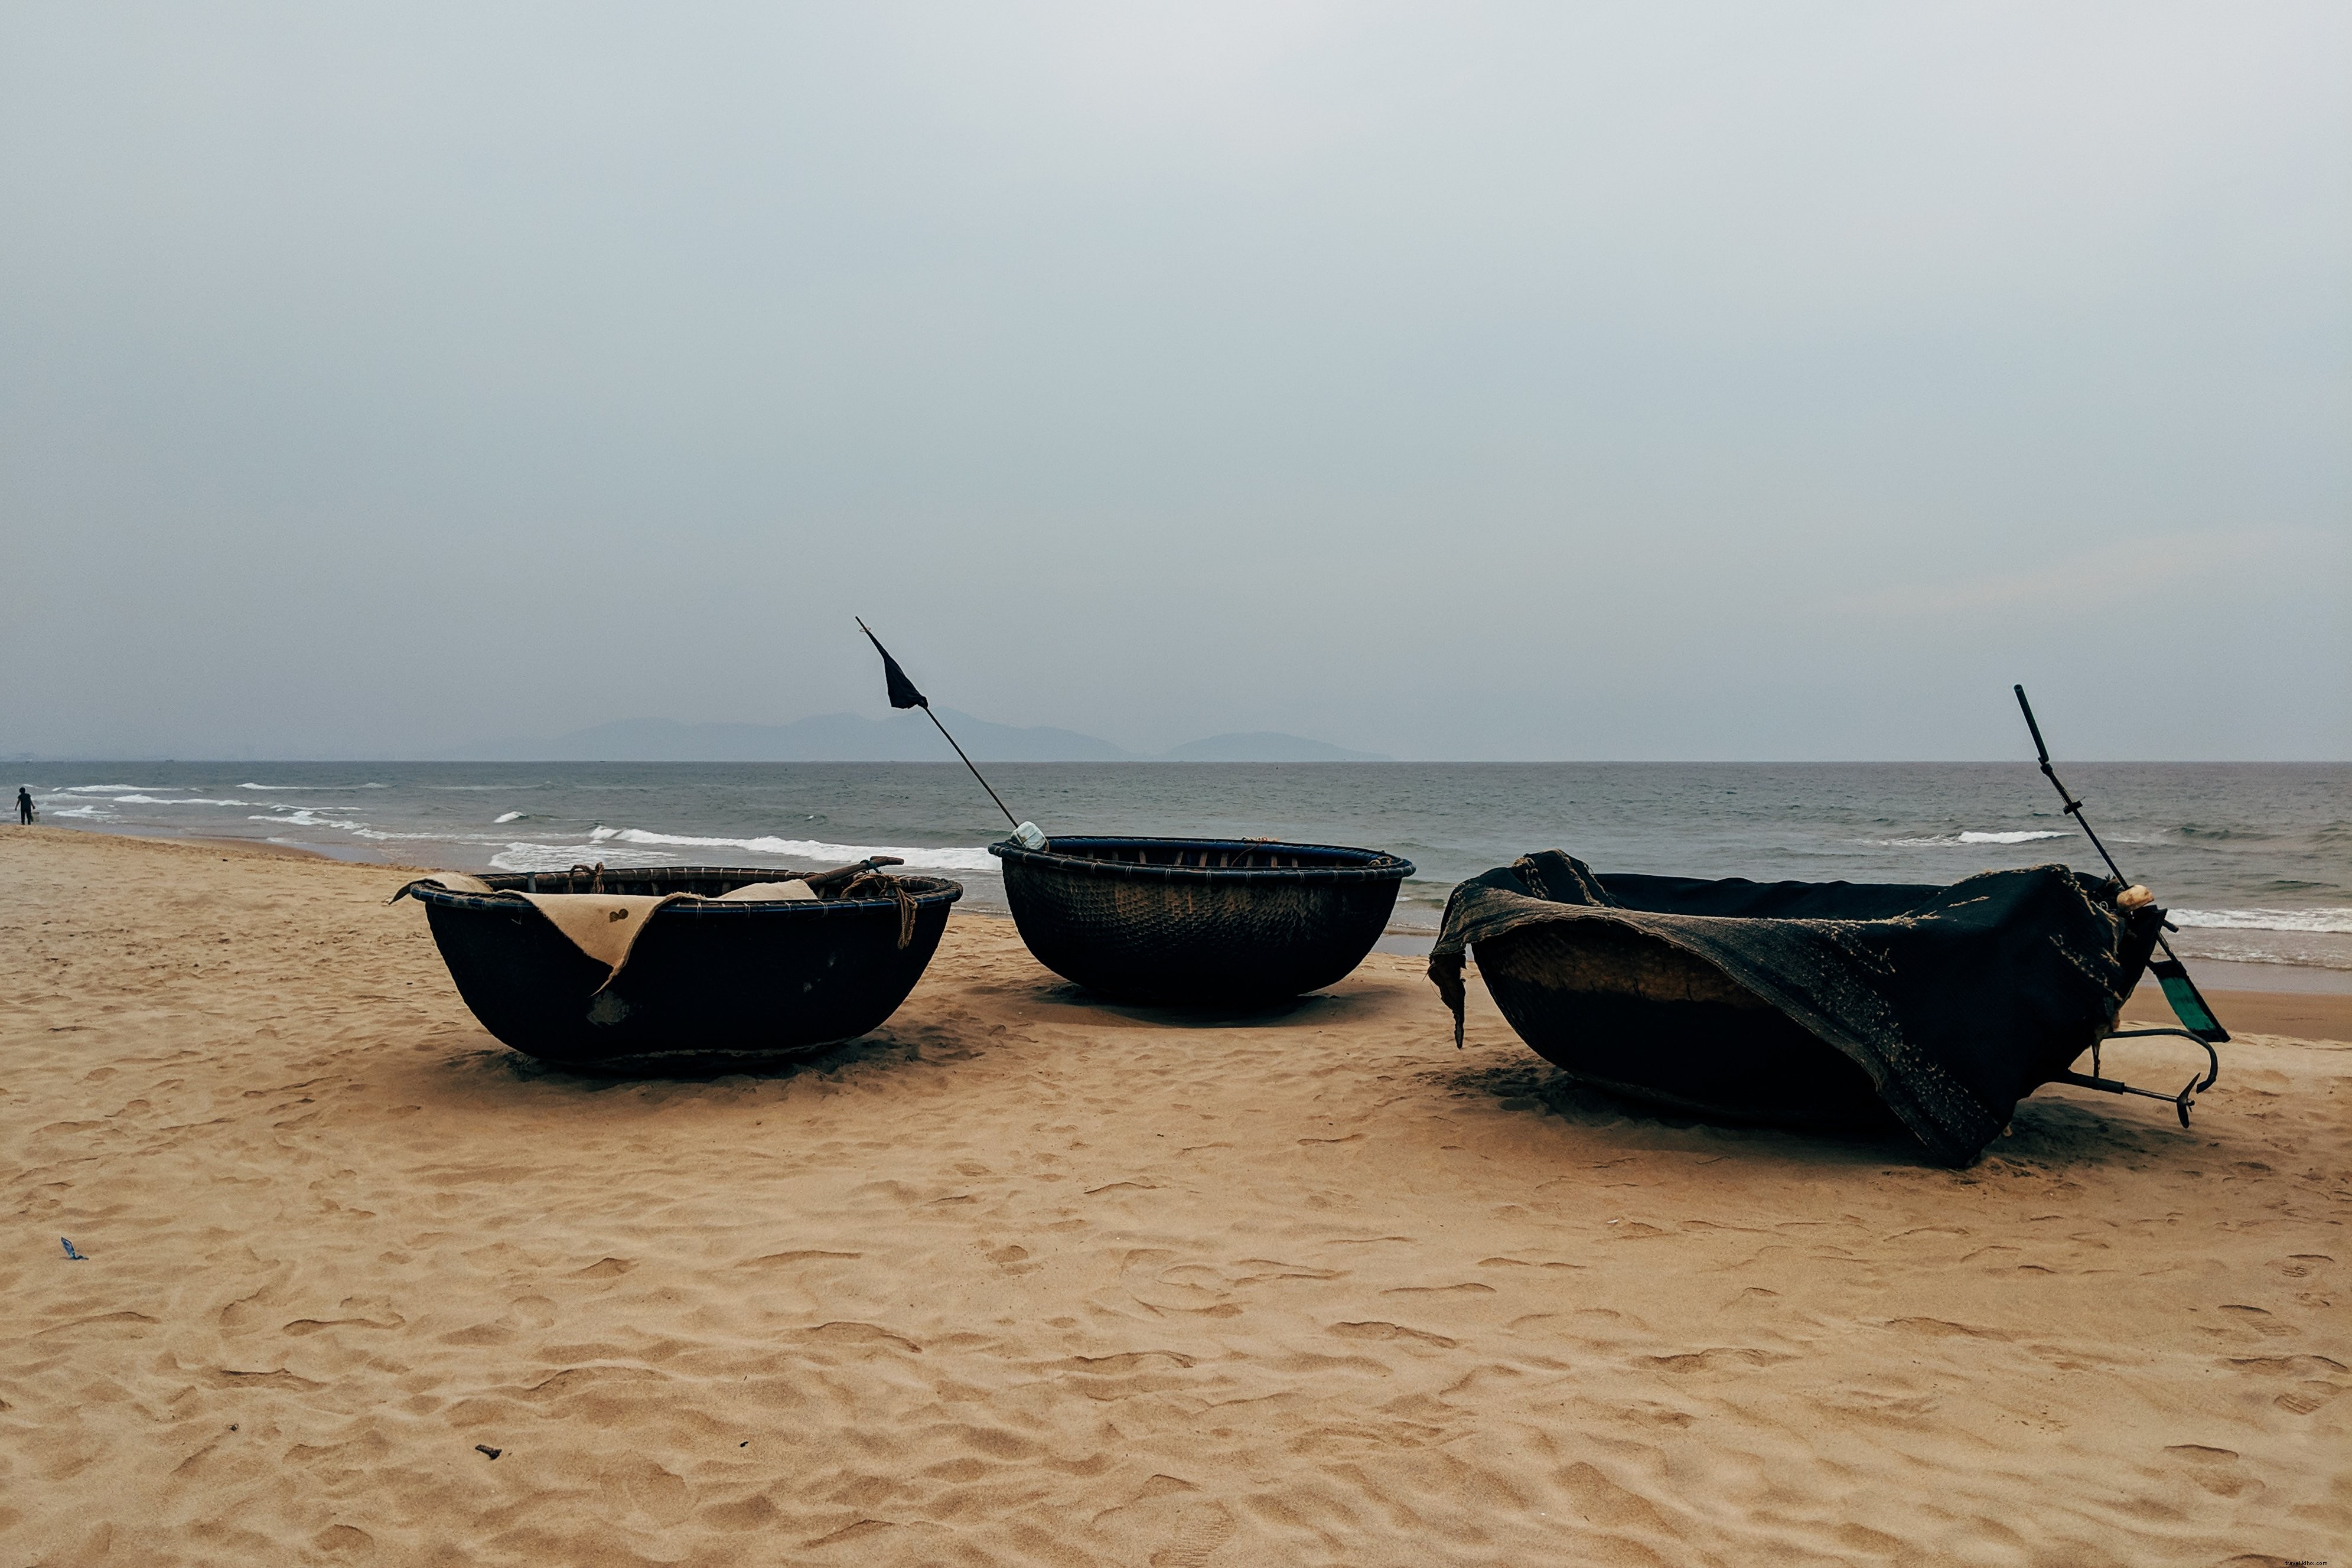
x=1211, y=922
x=707, y=984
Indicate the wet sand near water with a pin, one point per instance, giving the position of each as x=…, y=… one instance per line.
x=1022, y=1278
x=2309, y=1015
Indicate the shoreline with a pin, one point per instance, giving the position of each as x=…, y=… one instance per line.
x=1033, y=1280
x=249, y=846
x=2314, y=995
x=2315, y=1011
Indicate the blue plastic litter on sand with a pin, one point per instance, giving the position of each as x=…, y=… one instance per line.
x=70, y=1252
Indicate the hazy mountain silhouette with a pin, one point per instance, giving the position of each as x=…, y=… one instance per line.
x=826, y=737
x=901, y=738
x=1265, y=745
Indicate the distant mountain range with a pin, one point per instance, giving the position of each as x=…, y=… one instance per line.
x=1265, y=745
x=901, y=738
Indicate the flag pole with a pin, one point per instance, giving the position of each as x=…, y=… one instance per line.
x=2074, y=807
x=975, y=772
x=2189, y=1005
x=903, y=689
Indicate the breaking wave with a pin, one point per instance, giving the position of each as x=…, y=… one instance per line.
x=527, y=856
x=928, y=857
x=2022, y=836
x=2332, y=922
x=304, y=817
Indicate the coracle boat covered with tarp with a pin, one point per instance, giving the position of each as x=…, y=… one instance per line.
x=684, y=967
x=1819, y=1006
x=1204, y=921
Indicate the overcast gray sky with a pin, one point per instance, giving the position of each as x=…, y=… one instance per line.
x=1453, y=382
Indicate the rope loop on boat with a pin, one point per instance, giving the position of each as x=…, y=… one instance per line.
x=877, y=884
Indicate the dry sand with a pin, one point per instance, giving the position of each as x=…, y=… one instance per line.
x=1024, y=1280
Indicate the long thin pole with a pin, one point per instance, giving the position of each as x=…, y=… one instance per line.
x=975, y=772
x=2074, y=807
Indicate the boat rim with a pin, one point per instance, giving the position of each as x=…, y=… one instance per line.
x=946, y=890
x=1372, y=865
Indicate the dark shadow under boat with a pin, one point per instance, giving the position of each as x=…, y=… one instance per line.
x=707, y=985
x=1220, y=923
x=1818, y=1006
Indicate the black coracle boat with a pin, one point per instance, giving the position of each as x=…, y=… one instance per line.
x=1205, y=922
x=1821, y=1006
x=719, y=976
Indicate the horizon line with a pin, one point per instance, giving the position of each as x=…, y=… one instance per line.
x=1162, y=761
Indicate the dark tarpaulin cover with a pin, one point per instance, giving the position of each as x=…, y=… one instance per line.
x=1957, y=1001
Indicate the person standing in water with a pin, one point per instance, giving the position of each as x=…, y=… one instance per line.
x=23, y=807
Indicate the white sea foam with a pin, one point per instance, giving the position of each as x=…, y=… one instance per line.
x=112, y=789
x=1948, y=841
x=2228, y=952
x=2332, y=922
x=174, y=801
x=305, y=817
x=527, y=856
x=308, y=789
x=509, y=817
x=929, y=857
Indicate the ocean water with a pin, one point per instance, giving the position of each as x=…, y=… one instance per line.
x=2254, y=859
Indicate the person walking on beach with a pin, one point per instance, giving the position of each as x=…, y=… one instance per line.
x=23, y=807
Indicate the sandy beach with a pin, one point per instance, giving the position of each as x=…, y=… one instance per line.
x=1022, y=1278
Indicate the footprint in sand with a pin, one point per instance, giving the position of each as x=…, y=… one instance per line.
x=1168, y=1523
x=1386, y=1331
x=342, y=1541
x=863, y=1334
x=657, y=1493
x=531, y=1312
x=2257, y=1319
x=1200, y=1532
x=2303, y=1401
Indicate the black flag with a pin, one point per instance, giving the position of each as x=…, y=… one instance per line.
x=902, y=690
x=904, y=694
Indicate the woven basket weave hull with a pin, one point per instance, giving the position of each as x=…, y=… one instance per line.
x=707, y=985
x=1121, y=917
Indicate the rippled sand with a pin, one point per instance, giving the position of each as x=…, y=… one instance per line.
x=1026, y=1279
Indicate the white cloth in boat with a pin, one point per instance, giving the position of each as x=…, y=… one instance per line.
x=792, y=891
x=605, y=926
